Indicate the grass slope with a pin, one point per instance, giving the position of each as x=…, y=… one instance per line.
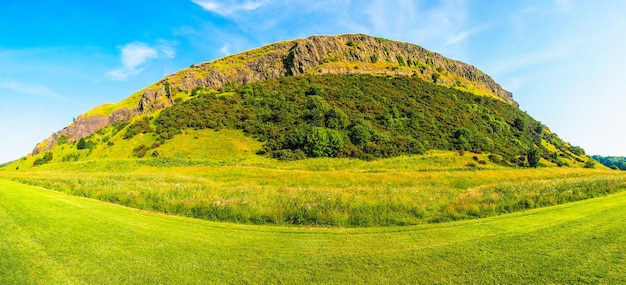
x=50, y=237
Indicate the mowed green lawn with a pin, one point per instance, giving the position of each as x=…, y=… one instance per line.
x=47, y=237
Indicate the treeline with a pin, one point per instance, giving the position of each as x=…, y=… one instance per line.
x=613, y=162
x=364, y=117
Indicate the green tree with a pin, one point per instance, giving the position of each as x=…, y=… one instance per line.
x=317, y=142
x=336, y=119
x=62, y=139
x=335, y=142
x=374, y=58
x=435, y=77
x=462, y=139
x=533, y=155
x=519, y=124
x=47, y=157
x=82, y=144
x=360, y=134
x=590, y=164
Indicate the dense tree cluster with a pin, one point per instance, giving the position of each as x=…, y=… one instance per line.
x=614, y=162
x=365, y=117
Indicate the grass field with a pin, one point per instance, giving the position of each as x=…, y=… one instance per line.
x=246, y=188
x=47, y=237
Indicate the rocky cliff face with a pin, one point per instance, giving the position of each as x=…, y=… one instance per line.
x=343, y=54
x=334, y=54
x=83, y=127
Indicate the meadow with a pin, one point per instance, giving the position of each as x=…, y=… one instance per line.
x=48, y=237
x=436, y=187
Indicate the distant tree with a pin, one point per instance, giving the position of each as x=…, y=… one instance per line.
x=577, y=150
x=62, y=139
x=533, y=155
x=82, y=144
x=360, y=134
x=336, y=119
x=47, y=157
x=462, y=138
x=590, y=164
x=317, y=142
x=519, y=124
x=374, y=58
x=435, y=77
x=313, y=90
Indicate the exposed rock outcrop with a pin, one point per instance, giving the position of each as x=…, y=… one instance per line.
x=332, y=54
x=83, y=127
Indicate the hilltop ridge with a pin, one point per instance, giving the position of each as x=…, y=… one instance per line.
x=342, y=54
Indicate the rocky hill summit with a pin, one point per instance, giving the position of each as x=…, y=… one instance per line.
x=342, y=54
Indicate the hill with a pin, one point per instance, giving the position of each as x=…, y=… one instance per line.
x=385, y=145
x=336, y=96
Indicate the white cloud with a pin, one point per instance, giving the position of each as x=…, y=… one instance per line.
x=226, y=8
x=134, y=56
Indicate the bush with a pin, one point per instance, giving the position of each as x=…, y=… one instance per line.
x=84, y=144
x=47, y=157
x=62, y=140
x=435, y=77
x=141, y=126
x=140, y=151
x=374, y=58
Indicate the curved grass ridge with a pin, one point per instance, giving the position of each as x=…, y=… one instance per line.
x=50, y=237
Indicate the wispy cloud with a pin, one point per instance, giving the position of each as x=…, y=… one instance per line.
x=563, y=5
x=226, y=8
x=531, y=59
x=463, y=36
x=29, y=89
x=225, y=50
x=134, y=57
x=429, y=23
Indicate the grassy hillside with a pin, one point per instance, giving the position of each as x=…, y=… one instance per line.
x=50, y=237
x=357, y=116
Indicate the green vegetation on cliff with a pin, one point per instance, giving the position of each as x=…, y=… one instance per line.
x=366, y=117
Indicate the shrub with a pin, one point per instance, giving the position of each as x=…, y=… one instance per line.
x=62, y=140
x=140, y=151
x=47, y=157
x=374, y=58
x=84, y=144
x=435, y=77
x=400, y=60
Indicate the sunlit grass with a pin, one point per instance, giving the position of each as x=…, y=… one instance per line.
x=53, y=238
x=247, y=188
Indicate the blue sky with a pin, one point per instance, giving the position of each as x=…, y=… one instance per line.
x=562, y=59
